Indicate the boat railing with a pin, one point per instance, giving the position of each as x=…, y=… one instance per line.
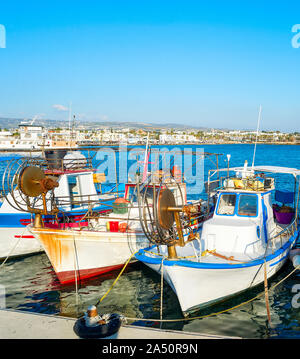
x=85, y=199
x=287, y=231
x=252, y=183
x=62, y=165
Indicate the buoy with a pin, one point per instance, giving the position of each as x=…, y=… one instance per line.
x=120, y=206
x=123, y=227
x=295, y=257
x=93, y=325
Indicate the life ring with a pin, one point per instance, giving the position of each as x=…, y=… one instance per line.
x=112, y=325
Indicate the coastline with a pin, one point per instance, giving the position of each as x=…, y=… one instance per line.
x=90, y=146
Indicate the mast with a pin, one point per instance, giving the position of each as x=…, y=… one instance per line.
x=146, y=159
x=70, y=124
x=258, y=122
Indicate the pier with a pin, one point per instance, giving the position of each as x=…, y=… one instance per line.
x=27, y=325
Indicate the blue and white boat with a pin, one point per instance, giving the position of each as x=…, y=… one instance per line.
x=248, y=234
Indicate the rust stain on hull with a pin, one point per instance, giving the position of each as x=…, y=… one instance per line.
x=59, y=248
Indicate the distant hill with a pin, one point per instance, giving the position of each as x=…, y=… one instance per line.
x=14, y=123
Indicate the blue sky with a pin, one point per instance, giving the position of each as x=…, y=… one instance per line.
x=200, y=63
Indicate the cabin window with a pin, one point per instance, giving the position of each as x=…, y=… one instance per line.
x=247, y=205
x=74, y=190
x=132, y=194
x=227, y=204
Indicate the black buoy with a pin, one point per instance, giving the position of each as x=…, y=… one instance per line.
x=93, y=325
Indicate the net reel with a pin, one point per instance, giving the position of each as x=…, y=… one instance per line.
x=164, y=216
x=27, y=188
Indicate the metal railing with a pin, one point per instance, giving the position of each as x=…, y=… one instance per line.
x=287, y=231
x=56, y=164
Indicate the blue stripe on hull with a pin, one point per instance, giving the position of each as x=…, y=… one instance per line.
x=12, y=220
x=185, y=263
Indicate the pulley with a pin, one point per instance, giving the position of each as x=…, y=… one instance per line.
x=164, y=217
x=27, y=188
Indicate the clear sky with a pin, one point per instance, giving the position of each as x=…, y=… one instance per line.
x=201, y=63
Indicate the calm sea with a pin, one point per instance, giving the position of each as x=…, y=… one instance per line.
x=31, y=285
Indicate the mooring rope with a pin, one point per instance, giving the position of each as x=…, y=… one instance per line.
x=213, y=314
x=161, y=287
x=118, y=277
x=12, y=249
x=187, y=318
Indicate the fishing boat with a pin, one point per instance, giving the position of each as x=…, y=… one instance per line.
x=245, y=238
x=102, y=239
x=100, y=242
x=78, y=187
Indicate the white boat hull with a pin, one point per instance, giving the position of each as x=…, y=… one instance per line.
x=200, y=286
x=76, y=255
x=16, y=242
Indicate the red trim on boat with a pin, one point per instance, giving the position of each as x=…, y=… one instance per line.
x=61, y=172
x=66, y=225
x=69, y=276
x=25, y=222
x=27, y=236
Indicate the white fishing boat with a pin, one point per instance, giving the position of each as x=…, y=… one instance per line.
x=76, y=179
x=100, y=242
x=245, y=239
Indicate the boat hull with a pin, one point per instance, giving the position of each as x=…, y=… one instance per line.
x=77, y=255
x=202, y=284
x=16, y=242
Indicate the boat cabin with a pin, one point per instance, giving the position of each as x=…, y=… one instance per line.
x=74, y=187
x=244, y=215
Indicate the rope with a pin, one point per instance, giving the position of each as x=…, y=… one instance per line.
x=118, y=277
x=161, y=287
x=190, y=318
x=267, y=292
x=13, y=248
x=76, y=273
x=217, y=313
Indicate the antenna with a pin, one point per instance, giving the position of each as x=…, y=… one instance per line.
x=146, y=160
x=72, y=132
x=228, y=159
x=34, y=118
x=258, y=122
x=70, y=124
